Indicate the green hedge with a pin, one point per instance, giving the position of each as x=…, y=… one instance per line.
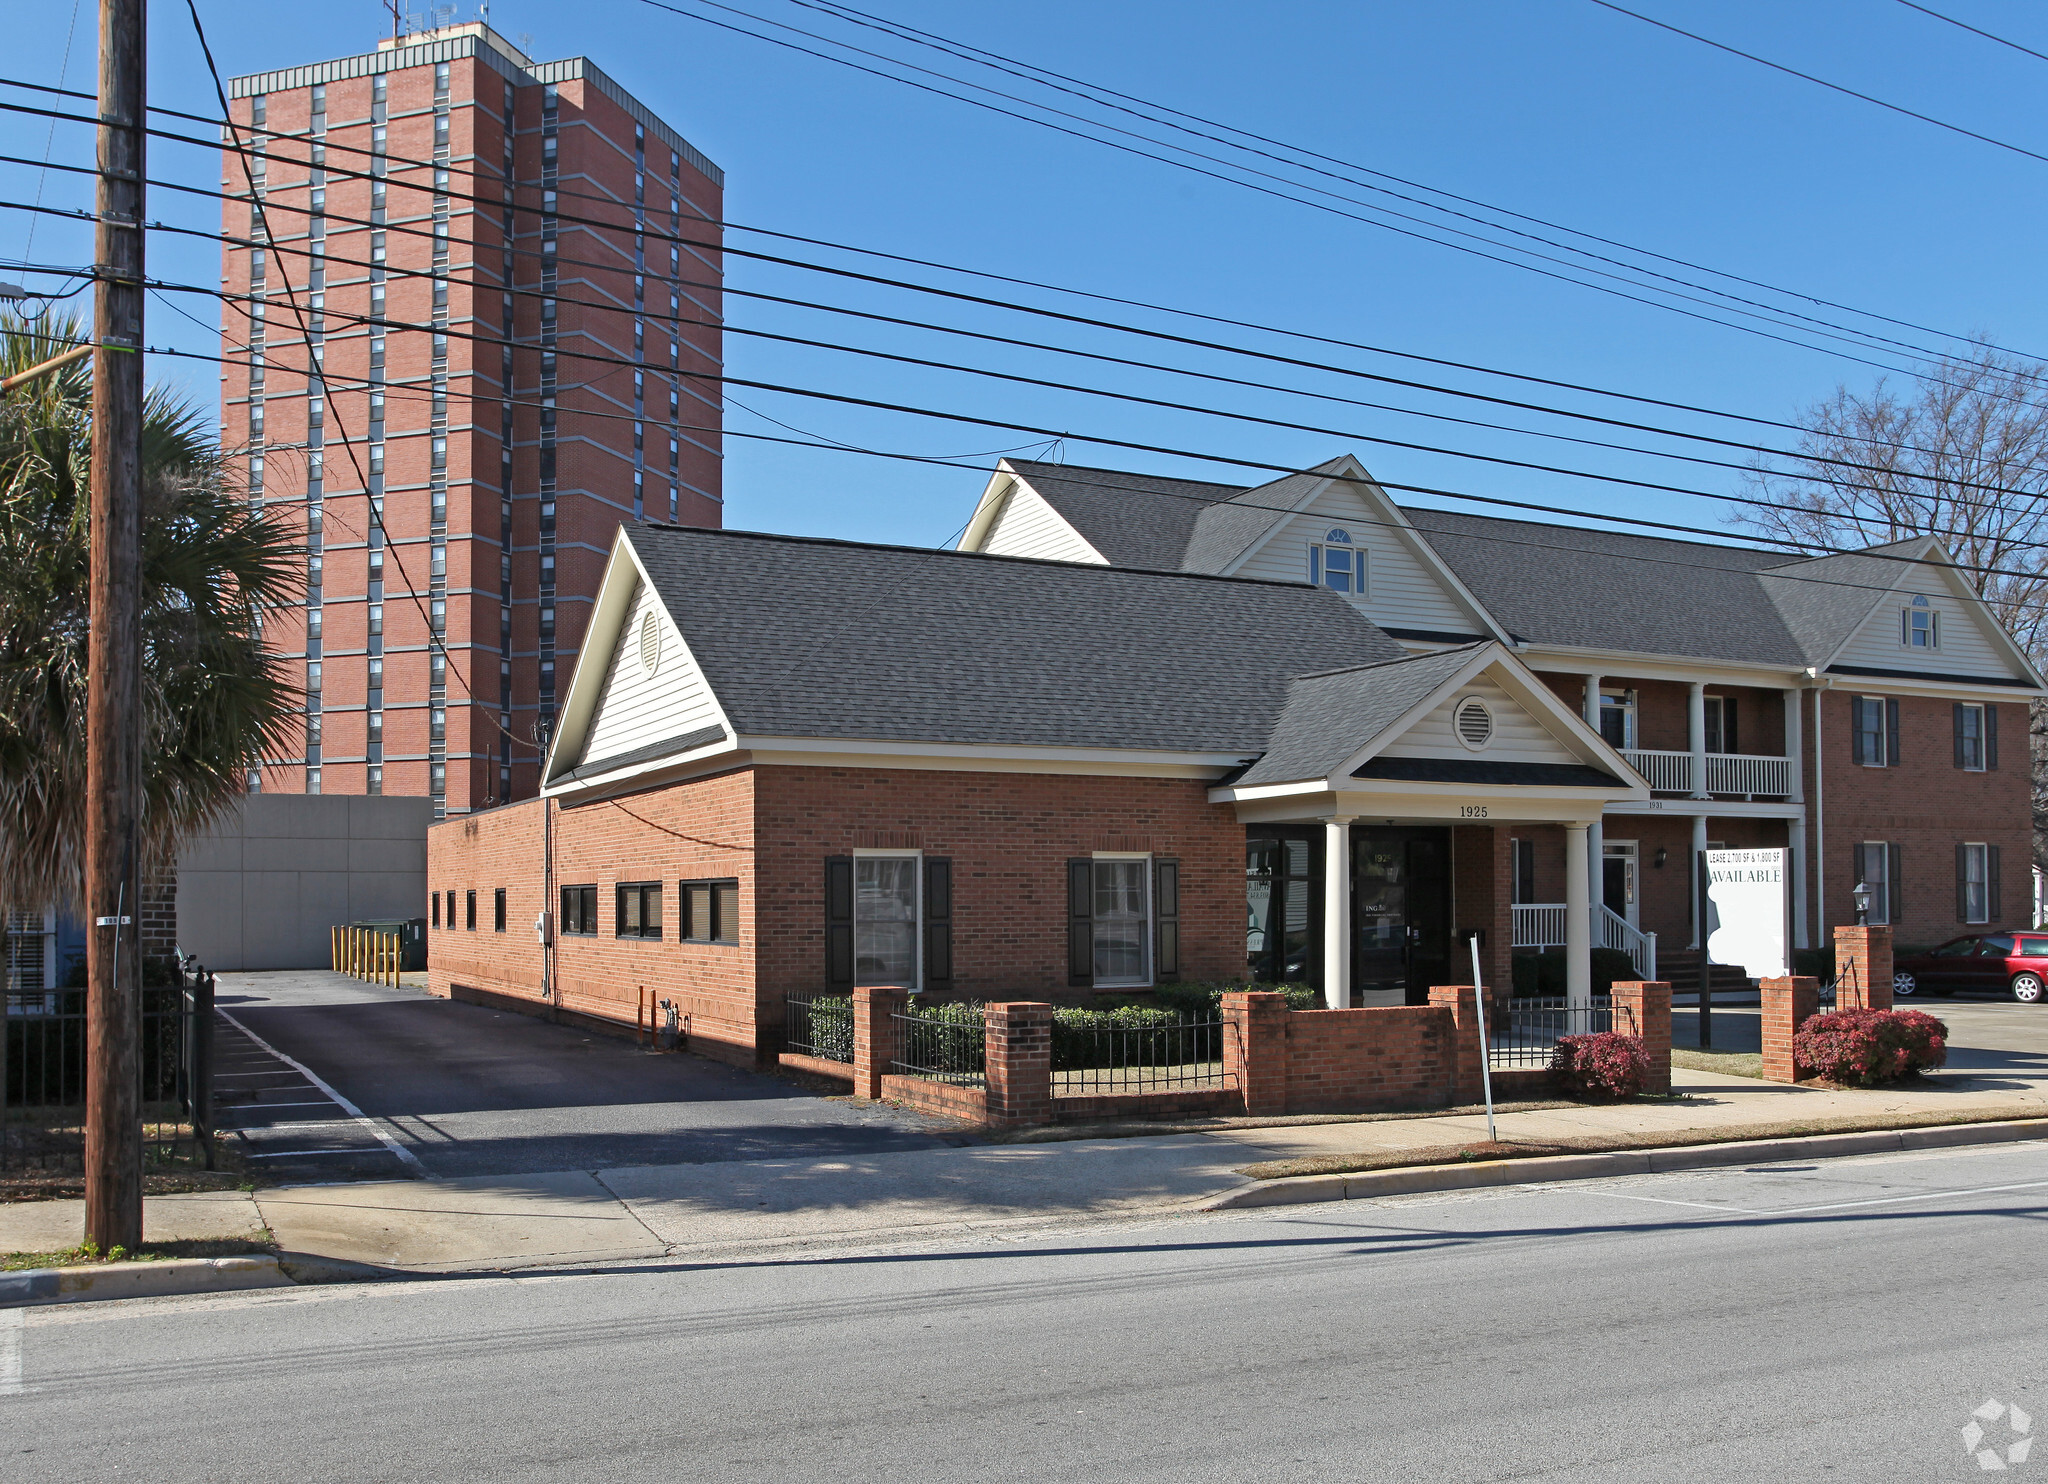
x=1542, y=974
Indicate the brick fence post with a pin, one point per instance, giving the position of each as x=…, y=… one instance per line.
x=1018, y=1037
x=1787, y=1004
x=1466, y=1047
x=875, y=1007
x=1643, y=1008
x=1255, y=1049
x=1863, y=968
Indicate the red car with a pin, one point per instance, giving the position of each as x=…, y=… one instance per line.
x=2007, y=963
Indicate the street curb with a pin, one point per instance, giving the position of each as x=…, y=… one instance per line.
x=1298, y=1190
x=126, y=1280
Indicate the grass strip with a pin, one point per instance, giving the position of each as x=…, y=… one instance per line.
x=1785, y=1128
x=260, y=1245
x=1728, y=1063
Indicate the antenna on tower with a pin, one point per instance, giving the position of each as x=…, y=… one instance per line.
x=396, y=23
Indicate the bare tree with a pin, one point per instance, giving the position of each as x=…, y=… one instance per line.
x=1961, y=455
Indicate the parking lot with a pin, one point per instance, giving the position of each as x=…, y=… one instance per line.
x=323, y=1077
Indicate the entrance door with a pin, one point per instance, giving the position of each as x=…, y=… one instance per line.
x=1400, y=914
x=1618, y=880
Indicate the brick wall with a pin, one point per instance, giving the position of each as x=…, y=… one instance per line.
x=1309, y=1061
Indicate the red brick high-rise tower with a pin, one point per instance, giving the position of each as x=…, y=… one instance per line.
x=468, y=347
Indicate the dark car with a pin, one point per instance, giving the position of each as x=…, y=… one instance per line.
x=2007, y=963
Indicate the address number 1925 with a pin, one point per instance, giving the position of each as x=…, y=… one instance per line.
x=1471, y=811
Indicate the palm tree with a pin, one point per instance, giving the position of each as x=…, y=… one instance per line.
x=213, y=703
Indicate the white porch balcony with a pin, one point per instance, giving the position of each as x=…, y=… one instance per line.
x=1729, y=774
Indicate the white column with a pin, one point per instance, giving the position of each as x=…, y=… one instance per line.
x=1699, y=843
x=1696, y=736
x=1795, y=836
x=1592, y=712
x=1596, y=853
x=1337, y=914
x=1578, y=919
x=1795, y=748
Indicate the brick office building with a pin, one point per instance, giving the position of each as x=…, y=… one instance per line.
x=1141, y=729
x=476, y=254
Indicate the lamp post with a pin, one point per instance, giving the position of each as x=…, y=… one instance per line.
x=1862, y=896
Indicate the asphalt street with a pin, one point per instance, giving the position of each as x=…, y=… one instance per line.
x=450, y=1089
x=1844, y=1320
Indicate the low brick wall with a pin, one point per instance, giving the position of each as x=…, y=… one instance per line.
x=928, y=1096
x=817, y=1066
x=1092, y=1107
x=1352, y=1061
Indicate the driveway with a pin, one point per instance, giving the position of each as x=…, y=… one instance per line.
x=324, y=1077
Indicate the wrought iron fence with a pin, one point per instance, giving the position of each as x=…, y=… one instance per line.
x=819, y=1025
x=946, y=1044
x=1098, y=1058
x=1528, y=1033
x=43, y=1076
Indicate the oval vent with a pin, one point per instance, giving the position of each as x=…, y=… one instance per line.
x=650, y=643
x=1473, y=723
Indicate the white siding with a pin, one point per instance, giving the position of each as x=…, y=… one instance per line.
x=1966, y=647
x=636, y=709
x=1028, y=527
x=1401, y=591
x=1518, y=737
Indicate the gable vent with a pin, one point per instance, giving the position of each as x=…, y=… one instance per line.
x=650, y=643
x=1473, y=723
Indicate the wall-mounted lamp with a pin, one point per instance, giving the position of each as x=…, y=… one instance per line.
x=1662, y=856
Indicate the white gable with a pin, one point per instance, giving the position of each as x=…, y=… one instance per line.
x=1401, y=591
x=1027, y=526
x=636, y=707
x=1518, y=735
x=1968, y=644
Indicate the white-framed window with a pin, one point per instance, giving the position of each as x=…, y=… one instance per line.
x=1618, y=717
x=1973, y=889
x=1971, y=753
x=1871, y=730
x=886, y=917
x=1337, y=563
x=1121, y=913
x=1920, y=625
x=1876, y=873
x=1720, y=718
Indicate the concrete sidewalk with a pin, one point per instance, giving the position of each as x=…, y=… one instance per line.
x=575, y=1217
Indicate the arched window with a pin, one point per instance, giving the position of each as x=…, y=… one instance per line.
x=1920, y=626
x=1335, y=563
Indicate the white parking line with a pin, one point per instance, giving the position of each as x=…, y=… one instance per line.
x=404, y=1154
x=295, y=1153
x=12, y=1323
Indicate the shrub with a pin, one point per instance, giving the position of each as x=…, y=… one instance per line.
x=1131, y=1036
x=1861, y=1047
x=832, y=1027
x=1605, y=1065
x=1202, y=1001
x=1542, y=974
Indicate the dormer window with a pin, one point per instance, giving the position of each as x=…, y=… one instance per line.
x=1335, y=563
x=1920, y=626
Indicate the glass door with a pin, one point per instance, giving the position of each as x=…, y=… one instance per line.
x=1400, y=914
x=1283, y=899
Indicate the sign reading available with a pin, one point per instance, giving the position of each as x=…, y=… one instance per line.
x=1748, y=915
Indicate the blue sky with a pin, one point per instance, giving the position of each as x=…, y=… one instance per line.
x=1555, y=108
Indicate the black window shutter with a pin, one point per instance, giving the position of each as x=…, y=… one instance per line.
x=1895, y=886
x=1728, y=725
x=1081, y=922
x=1856, y=876
x=1993, y=907
x=1961, y=760
x=1855, y=729
x=1962, y=883
x=839, y=922
x=1891, y=733
x=1165, y=921
x=938, y=922
x=1990, y=735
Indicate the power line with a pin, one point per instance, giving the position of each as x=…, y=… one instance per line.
x=1819, y=81
x=641, y=228
x=1965, y=25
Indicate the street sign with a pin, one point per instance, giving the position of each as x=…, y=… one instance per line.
x=1748, y=910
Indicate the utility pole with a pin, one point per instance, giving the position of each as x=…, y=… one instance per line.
x=113, y=1078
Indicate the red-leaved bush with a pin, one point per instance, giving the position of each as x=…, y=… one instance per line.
x=1606, y=1065
x=1859, y=1047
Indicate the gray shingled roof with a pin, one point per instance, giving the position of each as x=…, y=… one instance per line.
x=1654, y=595
x=812, y=638
x=1329, y=717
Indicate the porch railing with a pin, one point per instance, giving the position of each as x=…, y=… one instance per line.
x=1542, y=925
x=1748, y=774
